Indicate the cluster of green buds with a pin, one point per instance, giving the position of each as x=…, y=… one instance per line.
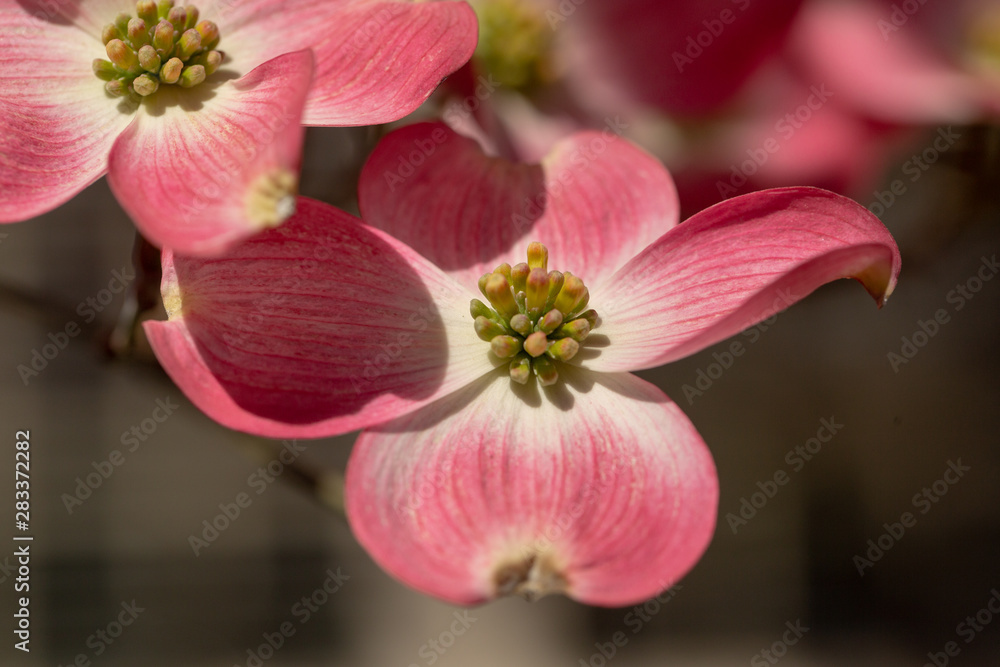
x=538, y=316
x=163, y=44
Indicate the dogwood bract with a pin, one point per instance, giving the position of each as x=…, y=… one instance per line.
x=196, y=115
x=498, y=458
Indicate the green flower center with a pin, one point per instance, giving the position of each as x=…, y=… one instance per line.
x=515, y=43
x=538, y=316
x=163, y=44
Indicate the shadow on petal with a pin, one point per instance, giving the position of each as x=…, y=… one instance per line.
x=59, y=13
x=321, y=323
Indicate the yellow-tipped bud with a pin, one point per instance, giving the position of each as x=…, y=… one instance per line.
x=545, y=371
x=563, y=349
x=536, y=344
x=498, y=292
x=191, y=76
x=505, y=347
x=146, y=10
x=487, y=329
x=519, y=276
x=520, y=369
x=104, y=70
x=570, y=295
x=123, y=57
x=209, y=32
x=192, y=17
x=538, y=256
x=145, y=84
x=537, y=291
x=171, y=70
x=163, y=39
x=149, y=59
x=550, y=321
x=163, y=8
x=188, y=45
x=111, y=32
x=177, y=17
x=578, y=330
x=138, y=36
x=521, y=324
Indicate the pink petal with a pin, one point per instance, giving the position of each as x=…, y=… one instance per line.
x=195, y=174
x=56, y=122
x=603, y=486
x=733, y=265
x=375, y=61
x=684, y=57
x=318, y=327
x=595, y=201
x=895, y=75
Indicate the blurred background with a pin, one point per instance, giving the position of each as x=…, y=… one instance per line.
x=814, y=561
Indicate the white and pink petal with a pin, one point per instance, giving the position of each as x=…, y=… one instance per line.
x=203, y=168
x=733, y=265
x=594, y=201
x=599, y=488
x=318, y=327
x=57, y=124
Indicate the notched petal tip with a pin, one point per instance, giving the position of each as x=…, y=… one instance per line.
x=531, y=577
x=271, y=198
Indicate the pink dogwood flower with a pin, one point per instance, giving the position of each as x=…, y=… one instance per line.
x=197, y=116
x=904, y=63
x=506, y=449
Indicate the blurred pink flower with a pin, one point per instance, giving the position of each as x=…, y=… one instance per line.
x=473, y=479
x=885, y=70
x=903, y=62
x=213, y=157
